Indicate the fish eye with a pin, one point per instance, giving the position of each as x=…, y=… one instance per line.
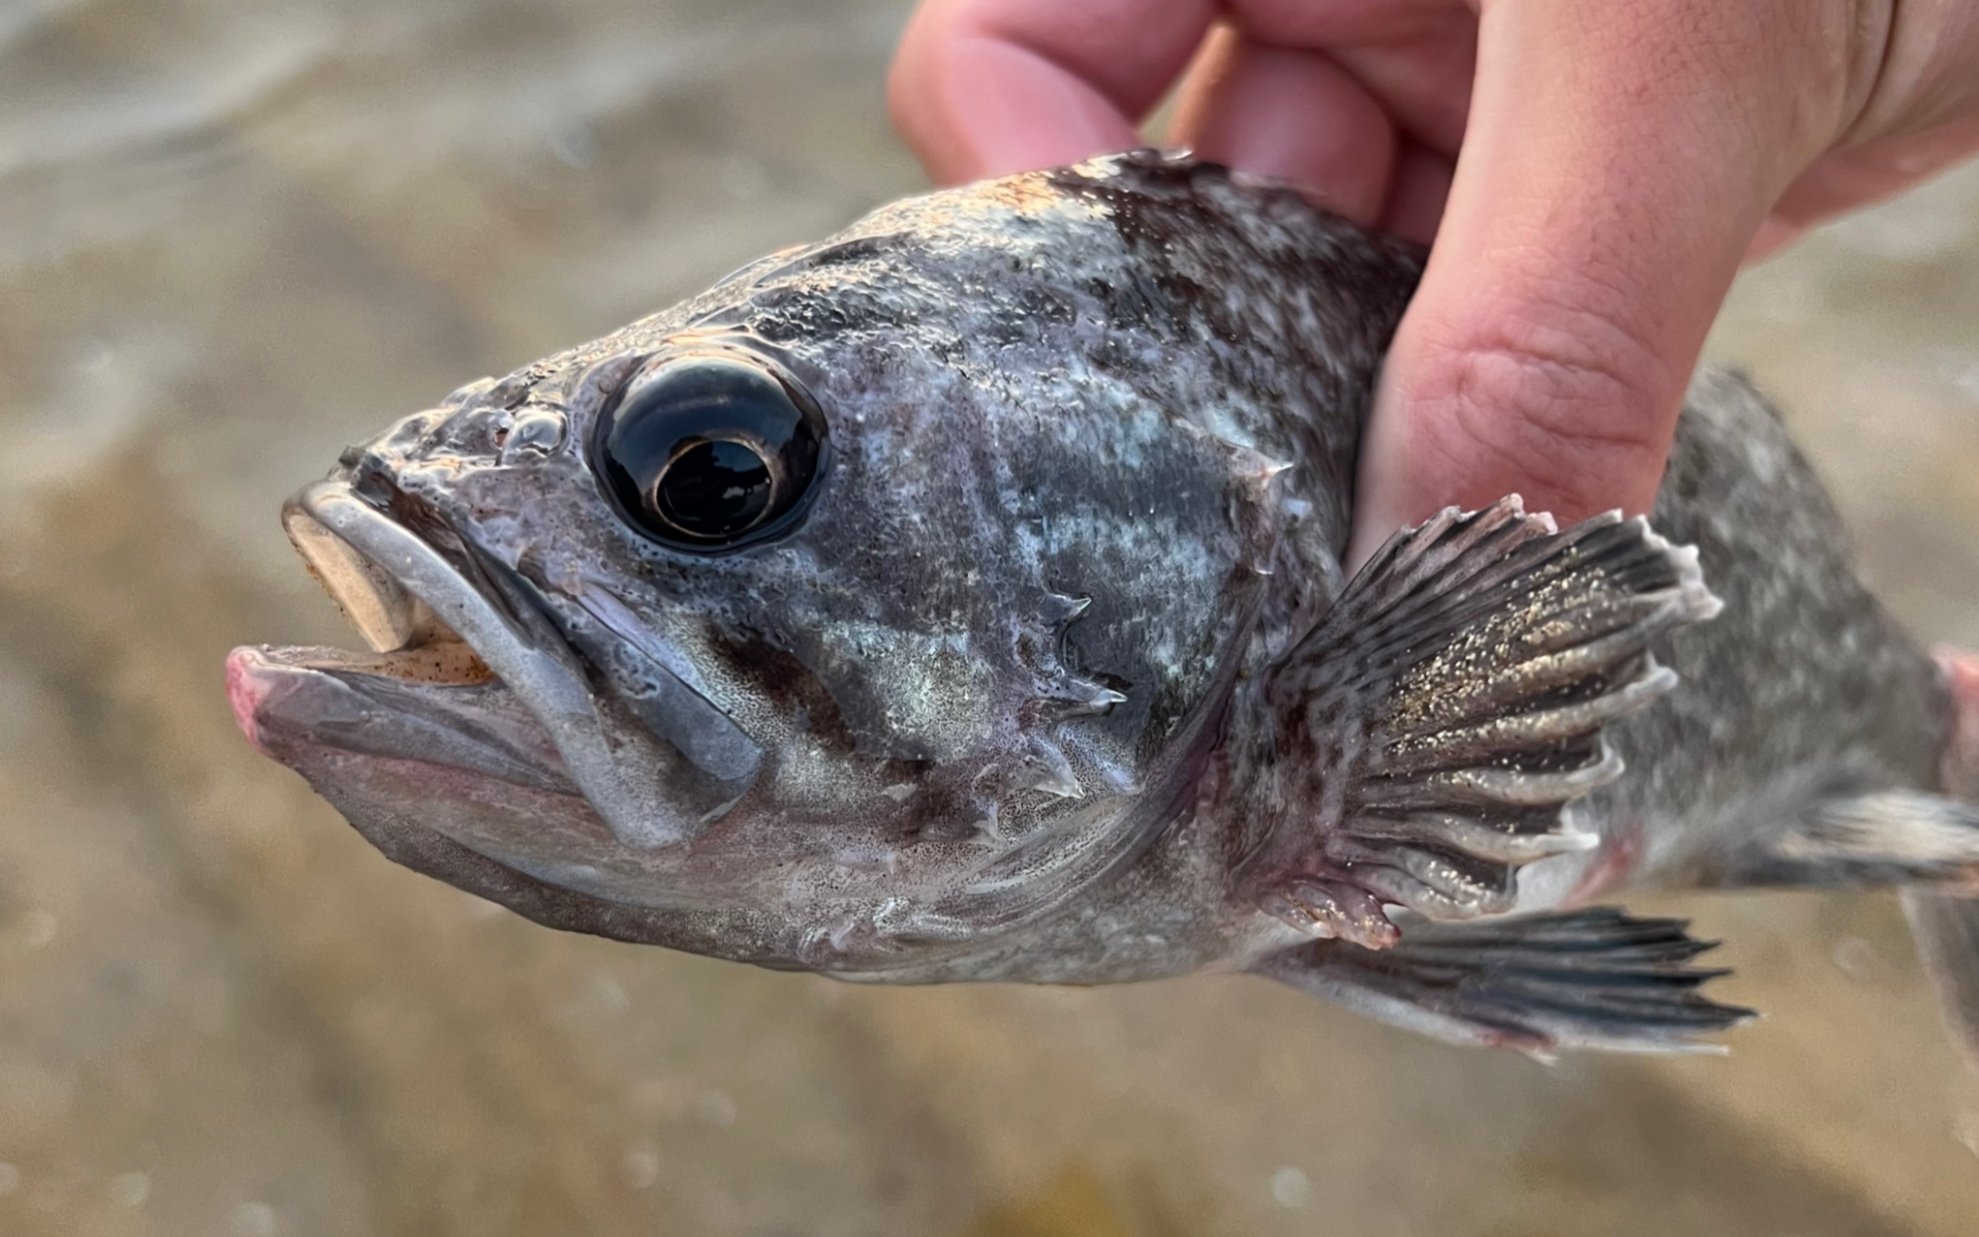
x=706, y=453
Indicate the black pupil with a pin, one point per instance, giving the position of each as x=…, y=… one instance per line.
x=714, y=489
x=706, y=453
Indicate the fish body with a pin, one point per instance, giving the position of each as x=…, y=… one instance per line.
x=961, y=598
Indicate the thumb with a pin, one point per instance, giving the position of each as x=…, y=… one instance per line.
x=1617, y=162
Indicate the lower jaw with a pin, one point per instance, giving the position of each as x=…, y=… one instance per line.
x=289, y=701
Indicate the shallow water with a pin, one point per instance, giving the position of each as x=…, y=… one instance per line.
x=237, y=234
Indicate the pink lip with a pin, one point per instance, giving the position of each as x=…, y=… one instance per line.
x=246, y=692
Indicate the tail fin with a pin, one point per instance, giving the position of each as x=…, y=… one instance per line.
x=1946, y=924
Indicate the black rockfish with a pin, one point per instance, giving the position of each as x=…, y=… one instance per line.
x=960, y=599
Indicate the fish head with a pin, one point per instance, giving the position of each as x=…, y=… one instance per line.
x=828, y=620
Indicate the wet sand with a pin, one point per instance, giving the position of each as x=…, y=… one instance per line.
x=235, y=237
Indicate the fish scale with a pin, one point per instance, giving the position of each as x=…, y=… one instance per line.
x=1008, y=638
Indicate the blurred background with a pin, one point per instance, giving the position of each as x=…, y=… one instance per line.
x=236, y=235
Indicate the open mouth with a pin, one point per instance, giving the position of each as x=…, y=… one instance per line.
x=420, y=689
x=468, y=675
x=406, y=638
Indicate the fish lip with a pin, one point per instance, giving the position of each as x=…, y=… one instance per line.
x=384, y=575
x=380, y=568
x=361, y=706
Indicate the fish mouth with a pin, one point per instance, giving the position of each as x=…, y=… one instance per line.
x=466, y=673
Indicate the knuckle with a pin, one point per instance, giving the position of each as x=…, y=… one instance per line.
x=1573, y=401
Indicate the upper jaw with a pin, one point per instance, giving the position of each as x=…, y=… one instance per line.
x=403, y=595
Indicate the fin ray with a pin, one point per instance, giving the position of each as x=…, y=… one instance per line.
x=1582, y=980
x=1452, y=703
x=1887, y=837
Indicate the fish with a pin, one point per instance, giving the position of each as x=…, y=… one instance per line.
x=962, y=598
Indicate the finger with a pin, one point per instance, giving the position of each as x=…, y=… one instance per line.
x=1919, y=73
x=1353, y=105
x=1291, y=114
x=1417, y=191
x=1423, y=83
x=1848, y=179
x=989, y=87
x=1415, y=56
x=1618, y=160
x=1773, y=235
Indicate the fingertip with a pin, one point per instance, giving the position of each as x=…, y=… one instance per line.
x=1774, y=235
x=1574, y=408
x=1590, y=235
x=1510, y=397
x=972, y=106
x=1376, y=519
x=1417, y=193
x=981, y=88
x=1292, y=114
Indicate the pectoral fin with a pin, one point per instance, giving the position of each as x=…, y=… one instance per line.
x=1591, y=979
x=1430, y=729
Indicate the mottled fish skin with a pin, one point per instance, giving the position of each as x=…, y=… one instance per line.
x=988, y=711
x=987, y=592
x=1803, y=690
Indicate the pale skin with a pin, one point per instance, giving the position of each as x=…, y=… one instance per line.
x=1592, y=175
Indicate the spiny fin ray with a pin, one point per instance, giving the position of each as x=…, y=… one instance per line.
x=1434, y=725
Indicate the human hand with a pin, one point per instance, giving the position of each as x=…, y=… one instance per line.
x=1618, y=161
